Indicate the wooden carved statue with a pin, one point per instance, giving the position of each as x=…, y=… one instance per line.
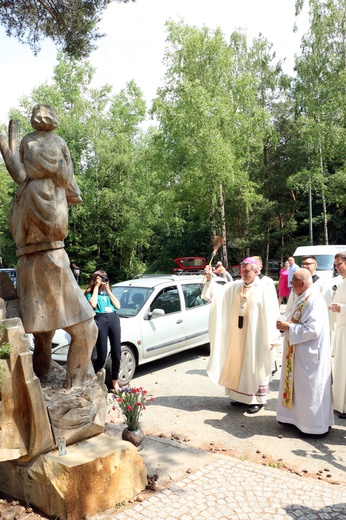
x=49, y=294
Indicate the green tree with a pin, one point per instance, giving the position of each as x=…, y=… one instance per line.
x=7, y=247
x=216, y=112
x=203, y=113
x=70, y=25
x=260, y=217
x=103, y=134
x=320, y=95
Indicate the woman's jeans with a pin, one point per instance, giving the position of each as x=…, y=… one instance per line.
x=109, y=327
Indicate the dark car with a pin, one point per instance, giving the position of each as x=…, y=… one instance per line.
x=234, y=271
x=274, y=269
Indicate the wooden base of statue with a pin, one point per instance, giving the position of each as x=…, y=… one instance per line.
x=35, y=415
x=93, y=476
x=91, y=471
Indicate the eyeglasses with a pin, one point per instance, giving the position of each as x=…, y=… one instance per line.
x=308, y=263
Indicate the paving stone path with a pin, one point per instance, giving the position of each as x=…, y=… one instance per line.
x=232, y=489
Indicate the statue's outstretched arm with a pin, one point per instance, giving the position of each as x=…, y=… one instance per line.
x=10, y=154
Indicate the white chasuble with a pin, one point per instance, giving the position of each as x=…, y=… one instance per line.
x=339, y=350
x=240, y=357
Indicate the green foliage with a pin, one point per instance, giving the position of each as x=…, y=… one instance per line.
x=7, y=247
x=215, y=112
x=5, y=349
x=319, y=92
x=70, y=25
x=2, y=371
x=276, y=465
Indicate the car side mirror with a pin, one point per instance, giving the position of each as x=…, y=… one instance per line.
x=156, y=313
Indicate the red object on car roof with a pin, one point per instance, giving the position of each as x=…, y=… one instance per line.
x=188, y=264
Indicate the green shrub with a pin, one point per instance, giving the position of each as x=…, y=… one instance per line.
x=5, y=349
x=2, y=370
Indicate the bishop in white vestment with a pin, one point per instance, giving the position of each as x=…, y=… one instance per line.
x=242, y=332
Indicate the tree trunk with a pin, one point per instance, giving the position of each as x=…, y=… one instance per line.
x=223, y=228
x=324, y=204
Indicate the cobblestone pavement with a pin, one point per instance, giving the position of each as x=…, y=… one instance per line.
x=232, y=489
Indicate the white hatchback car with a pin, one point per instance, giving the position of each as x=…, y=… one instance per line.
x=159, y=315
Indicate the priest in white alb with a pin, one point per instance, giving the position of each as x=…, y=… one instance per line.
x=305, y=395
x=338, y=308
x=242, y=333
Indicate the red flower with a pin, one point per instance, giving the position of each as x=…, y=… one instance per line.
x=131, y=403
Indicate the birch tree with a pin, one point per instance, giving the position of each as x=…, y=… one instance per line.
x=320, y=94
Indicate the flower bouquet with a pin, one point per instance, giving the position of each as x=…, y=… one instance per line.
x=131, y=402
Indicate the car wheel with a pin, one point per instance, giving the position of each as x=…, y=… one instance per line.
x=127, y=367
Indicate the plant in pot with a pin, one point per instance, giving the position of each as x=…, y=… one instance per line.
x=131, y=402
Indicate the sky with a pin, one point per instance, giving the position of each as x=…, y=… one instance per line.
x=133, y=47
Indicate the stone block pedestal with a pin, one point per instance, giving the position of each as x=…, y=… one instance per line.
x=94, y=475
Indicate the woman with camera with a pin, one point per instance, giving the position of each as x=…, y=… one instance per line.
x=105, y=304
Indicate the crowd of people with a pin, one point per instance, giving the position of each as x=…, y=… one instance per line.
x=245, y=329
x=246, y=326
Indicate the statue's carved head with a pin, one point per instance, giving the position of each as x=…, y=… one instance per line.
x=44, y=118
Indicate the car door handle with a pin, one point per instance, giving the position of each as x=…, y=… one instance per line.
x=179, y=321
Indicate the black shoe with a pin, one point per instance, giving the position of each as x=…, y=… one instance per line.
x=255, y=408
x=275, y=369
x=236, y=403
x=342, y=415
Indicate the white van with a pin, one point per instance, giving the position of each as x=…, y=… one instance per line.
x=324, y=256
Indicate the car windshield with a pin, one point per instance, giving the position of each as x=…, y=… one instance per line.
x=324, y=262
x=131, y=298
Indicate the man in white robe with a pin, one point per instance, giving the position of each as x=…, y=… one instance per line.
x=305, y=395
x=326, y=286
x=338, y=308
x=309, y=262
x=242, y=332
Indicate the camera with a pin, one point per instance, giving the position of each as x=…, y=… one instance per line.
x=105, y=279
